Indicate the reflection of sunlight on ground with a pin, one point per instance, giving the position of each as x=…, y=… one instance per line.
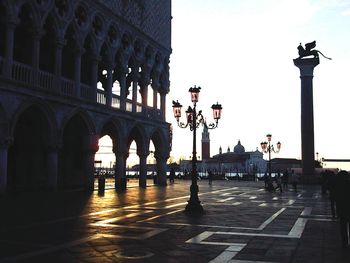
x=131, y=183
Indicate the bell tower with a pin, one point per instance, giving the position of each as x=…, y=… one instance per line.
x=205, y=143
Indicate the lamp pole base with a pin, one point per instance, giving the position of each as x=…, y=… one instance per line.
x=194, y=208
x=194, y=205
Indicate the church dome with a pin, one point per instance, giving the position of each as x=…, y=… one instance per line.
x=239, y=148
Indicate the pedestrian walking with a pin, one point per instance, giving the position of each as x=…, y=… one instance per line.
x=172, y=175
x=210, y=177
x=270, y=186
x=266, y=180
x=295, y=181
x=279, y=182
x=342, y=199
x=331, y=186
x=285, y=179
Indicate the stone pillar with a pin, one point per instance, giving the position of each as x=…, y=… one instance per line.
x=161, y=170
x=120, y=173
x=306, y=67
x=10, y=34
x=58, y=64
x=52, y=164
x=163, y=105
x=4, y=145
x=143, y=170
x=90, y=147
x=94, y=71
x=77, y=70
x=155, y=99
x=144, y=95
x=109, y=84
x=134, y=88
x=36, y=56
x=122, y=83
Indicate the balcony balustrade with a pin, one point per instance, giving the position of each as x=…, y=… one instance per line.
x=25, y=74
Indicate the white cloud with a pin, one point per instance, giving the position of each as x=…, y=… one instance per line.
x=346, y=13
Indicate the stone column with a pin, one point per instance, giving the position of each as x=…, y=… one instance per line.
x=143, y=170
x=155, y=99
x=58, y=64
x=10, y=33
x=36, y=56
x=90, y=147
x=94, y=71
x=163, y=105
x=120, y=172
x=144, y=95
x=306, y=67
x=122, y=83
x=109, y=84
x=4, y=145
x=77, y=70
x=134, y=88
x=161, y=170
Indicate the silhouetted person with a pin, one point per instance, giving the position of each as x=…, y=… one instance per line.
x=172, y=175
x=285, y=180
x=324, y=181
x=266, y=180
x=270, y=186
x=210, y=177
x=295, y=181
x=279, y=182
x=342, y=199
x=331, y=186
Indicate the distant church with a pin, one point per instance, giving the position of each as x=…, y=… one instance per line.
x=230, y=162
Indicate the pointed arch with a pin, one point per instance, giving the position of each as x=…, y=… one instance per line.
x=115, y=129
x=33, y=131
x=29, y=21
x=84, y=115
x=34, y=13
x=160, y=142
x=75, y=155
x=44, y=108
x=48, y=45
x=137, y=134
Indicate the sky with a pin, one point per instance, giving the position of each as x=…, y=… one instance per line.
x=240, y=52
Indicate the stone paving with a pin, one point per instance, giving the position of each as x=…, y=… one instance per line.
x=242, y=223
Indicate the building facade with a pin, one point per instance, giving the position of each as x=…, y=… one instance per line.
x=236, y=161
x=72, y=72
x=229, y=163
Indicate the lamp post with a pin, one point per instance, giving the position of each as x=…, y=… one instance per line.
x=193, y=120
x=267, y=147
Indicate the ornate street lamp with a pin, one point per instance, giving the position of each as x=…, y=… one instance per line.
x=267, y=147
x=193, y=120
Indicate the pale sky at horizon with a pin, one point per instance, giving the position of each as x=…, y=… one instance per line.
x=241, y=54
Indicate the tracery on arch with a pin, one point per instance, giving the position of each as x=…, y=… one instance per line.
x=81, y=16
x=62, y=7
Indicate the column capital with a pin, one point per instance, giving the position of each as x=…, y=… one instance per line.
x=161, y=157
x=60, y=43
x=306, y=65
x=12, y=22
x=38, y=33
x=78, y=50
x=6, y=142
x=95, y=58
